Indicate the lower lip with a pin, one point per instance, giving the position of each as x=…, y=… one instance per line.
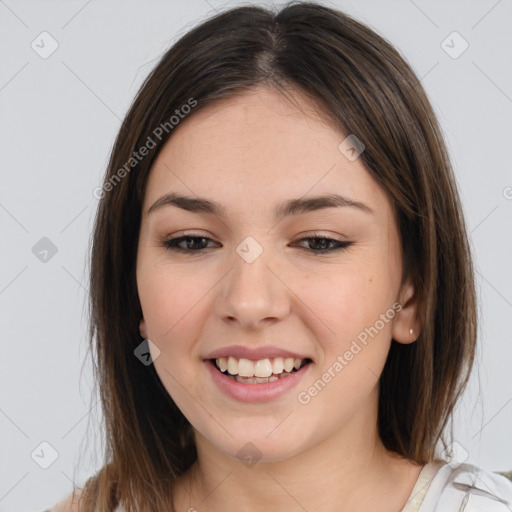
x=255, y=392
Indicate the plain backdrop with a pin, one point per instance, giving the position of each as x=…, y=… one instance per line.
x=59, y=117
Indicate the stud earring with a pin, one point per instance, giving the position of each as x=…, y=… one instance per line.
x=411, y=331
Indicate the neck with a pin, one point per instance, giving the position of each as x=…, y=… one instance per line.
x=349, y=471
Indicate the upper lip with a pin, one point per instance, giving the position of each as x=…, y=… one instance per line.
x=240, y=351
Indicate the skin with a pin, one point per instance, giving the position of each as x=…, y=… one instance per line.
x=249, y=153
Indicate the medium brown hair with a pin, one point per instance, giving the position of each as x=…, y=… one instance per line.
x=362, y=85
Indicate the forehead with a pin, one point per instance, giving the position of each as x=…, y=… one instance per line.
x=259, y=148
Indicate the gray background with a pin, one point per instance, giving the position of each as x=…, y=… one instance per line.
x=59, y=117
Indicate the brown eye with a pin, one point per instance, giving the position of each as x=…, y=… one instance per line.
x=197, y=243
x=323, y=245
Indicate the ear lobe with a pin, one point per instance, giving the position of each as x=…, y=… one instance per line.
x=143, y=329
x=406, y=319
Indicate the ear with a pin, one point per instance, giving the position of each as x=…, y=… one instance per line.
x=406, y=318
x=143, y=329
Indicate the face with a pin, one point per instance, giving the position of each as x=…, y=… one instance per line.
x=321, y=285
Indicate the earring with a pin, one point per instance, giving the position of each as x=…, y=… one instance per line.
x=411, y=331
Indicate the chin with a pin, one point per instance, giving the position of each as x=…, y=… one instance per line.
x=257, y=447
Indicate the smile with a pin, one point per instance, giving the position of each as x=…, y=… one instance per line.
x=260, y=371
x=239, y=378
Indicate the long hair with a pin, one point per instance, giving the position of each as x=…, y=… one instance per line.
x=361, y=84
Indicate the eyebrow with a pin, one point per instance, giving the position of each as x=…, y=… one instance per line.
x=286, y=209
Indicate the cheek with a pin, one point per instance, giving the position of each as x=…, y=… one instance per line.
x=171, y=304
x=171, y=301
x=350, y=297
x=353, y=305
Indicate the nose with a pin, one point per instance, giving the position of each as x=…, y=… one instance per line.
x=253, y=294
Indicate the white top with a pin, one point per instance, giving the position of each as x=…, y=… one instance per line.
x=454, y=487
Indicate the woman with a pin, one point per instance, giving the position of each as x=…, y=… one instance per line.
x=283, y=303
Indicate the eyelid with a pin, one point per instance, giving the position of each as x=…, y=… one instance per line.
x=172, y=244
x=300, y=236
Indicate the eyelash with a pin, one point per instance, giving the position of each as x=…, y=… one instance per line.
x=171, y=244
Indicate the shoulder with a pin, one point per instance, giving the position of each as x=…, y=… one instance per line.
x=67, y=504
x=467, y=488
x=70, y=504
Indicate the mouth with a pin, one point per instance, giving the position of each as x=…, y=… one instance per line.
x=262, y=371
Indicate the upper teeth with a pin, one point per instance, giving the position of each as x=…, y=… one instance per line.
x=261, y=368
